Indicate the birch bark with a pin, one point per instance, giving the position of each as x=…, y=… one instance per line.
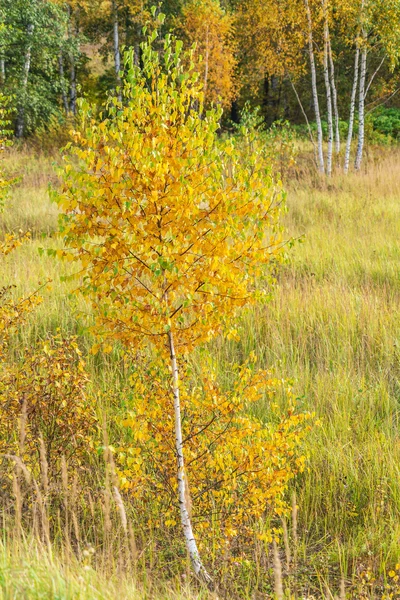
x=206, y=66
x=328, y=94
x=191, y=545
x=136, y=45
x=361, y=109
x=62, y=81
x=352, y=110
x=117, y=54
x=321, y=165
x=72, y=71
x=334, y=99
x=72, y=94
x=2, y=70
x=20, y=125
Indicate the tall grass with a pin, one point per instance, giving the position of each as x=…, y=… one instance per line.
x=29, y=571
x=332, y=327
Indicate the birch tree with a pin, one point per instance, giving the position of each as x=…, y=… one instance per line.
x=352, y=110
x=77, y=20
x=31, y=37
x=361, y=105
x=314, y=89
x=210, y=27
x=112, y=24
x=117, y=53
x=19, y=131
x=371, y=28
x=328, y=89
x=334, y=97
x=170, y=230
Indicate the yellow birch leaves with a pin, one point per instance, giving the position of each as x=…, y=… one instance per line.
x=239, y=465
x=173, y=227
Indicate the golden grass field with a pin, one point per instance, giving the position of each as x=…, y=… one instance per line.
x=332, y=327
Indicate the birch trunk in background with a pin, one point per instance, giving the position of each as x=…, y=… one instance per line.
x=206, y=65
x=320, y=150
x=136, y=45
x=137, y=54
x=334, y=98
x=361, y=109
x=72, y=80
x=62, y=81
x=328, y=95
x=352, y=111
x=191, y=545
x=72, y=71
x=2, y=70
x=117, y=54
x=20, y=125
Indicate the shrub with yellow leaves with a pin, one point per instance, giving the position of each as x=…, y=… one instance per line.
x=45, y=394
x=240, y=465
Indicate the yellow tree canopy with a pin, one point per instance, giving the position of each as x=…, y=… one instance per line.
x=172, y=227
x=206, y=24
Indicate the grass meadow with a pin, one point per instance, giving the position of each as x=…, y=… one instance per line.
x=332, y=328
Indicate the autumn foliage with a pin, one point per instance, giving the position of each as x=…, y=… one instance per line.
x=48, y=390
x=208, y=26
x=173, y=231
x=238, y=464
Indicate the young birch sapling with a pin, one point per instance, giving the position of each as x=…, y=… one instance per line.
x=173, y=232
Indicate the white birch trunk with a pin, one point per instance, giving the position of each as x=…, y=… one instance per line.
x=334, y=98
x=206, y=59
x=20, y=125
x=72, y=71
x=321, y=165
x=73, y=86
x=136, y=46
x=328, y=95
x=2, y=70
x=352, y=111
x=62, y=81
x=191, y=545
x=117, y=54
x=361, y=109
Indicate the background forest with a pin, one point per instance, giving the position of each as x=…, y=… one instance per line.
x=199, y=299
x=330, y=63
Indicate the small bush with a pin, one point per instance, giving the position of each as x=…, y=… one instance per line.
x=45, y=396
x=240, y=465
x=384, y=124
